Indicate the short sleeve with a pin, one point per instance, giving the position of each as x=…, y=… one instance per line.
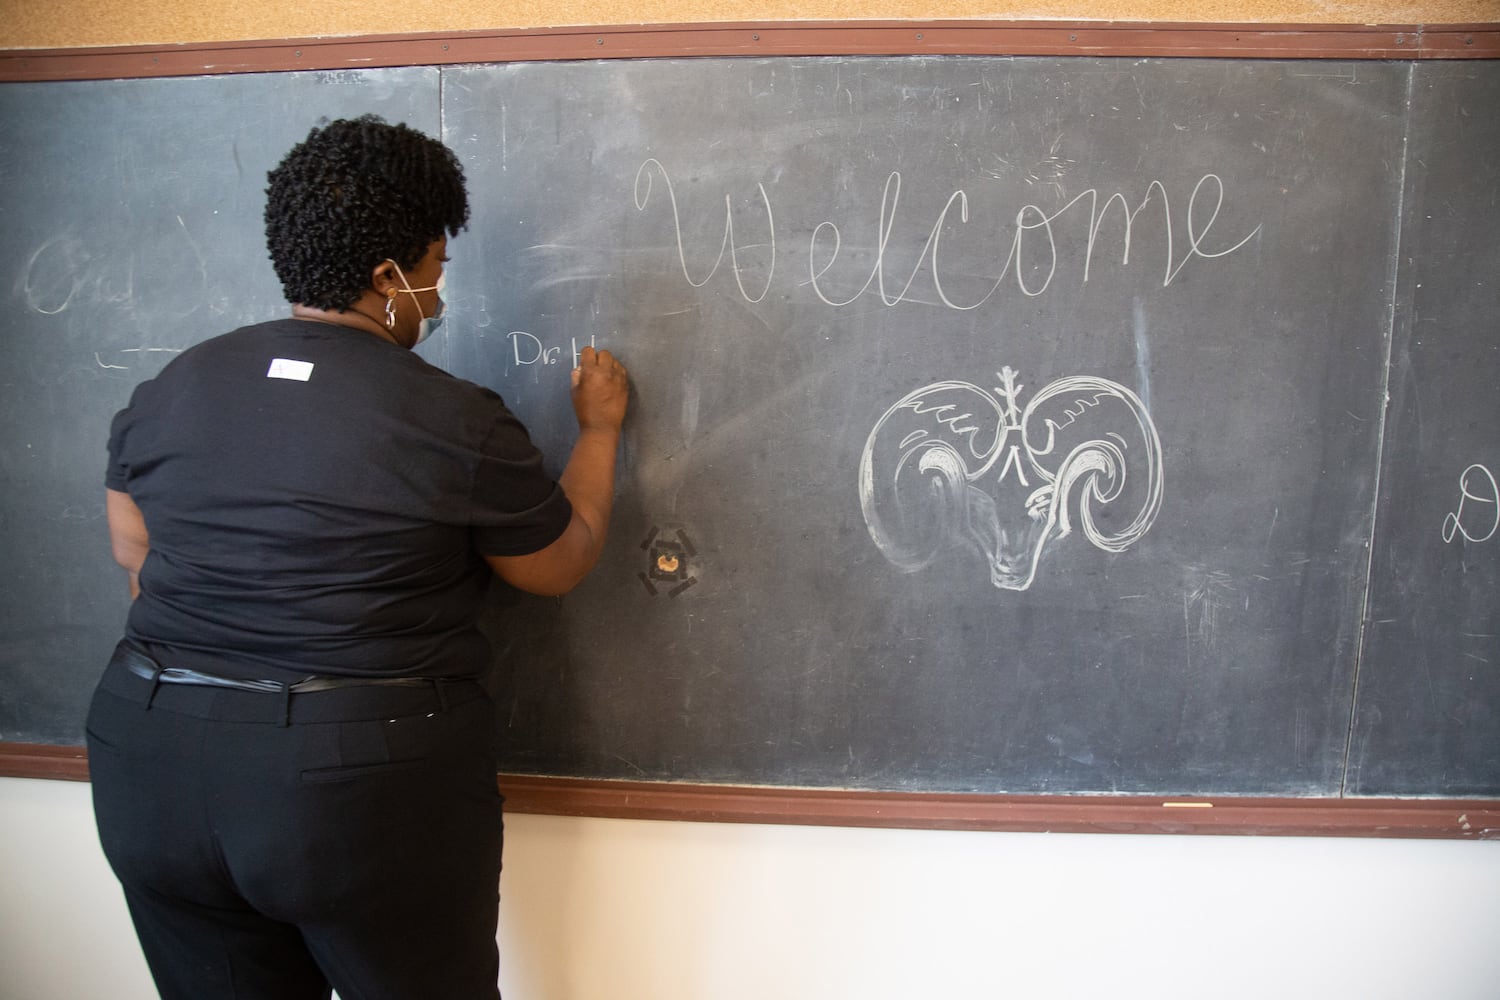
x=117, y=473
x=516, y=507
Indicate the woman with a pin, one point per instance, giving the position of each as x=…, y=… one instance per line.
x=291, y=752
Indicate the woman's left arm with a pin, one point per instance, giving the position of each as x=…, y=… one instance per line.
x=128, y=538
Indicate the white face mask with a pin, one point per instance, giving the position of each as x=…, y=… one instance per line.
x=429, y=323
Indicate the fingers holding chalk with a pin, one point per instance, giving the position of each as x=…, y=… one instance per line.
x=601, y=389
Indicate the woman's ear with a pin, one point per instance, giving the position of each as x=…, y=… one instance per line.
x=384, y=279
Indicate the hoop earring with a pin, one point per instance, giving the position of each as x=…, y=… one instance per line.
x=390, y=312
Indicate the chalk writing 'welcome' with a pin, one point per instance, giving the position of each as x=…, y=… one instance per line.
x=1029, y=256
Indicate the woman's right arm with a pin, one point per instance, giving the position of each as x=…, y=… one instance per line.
x=601, y=390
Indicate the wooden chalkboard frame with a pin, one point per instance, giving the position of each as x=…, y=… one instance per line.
x=1454, y=819
x=799, y=38
x=1369, y=817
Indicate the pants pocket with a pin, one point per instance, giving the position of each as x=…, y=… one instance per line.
x=110, y=717
x=318, y=775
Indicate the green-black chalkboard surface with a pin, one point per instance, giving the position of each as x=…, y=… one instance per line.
x=134, y=208
x=1428, y=719
x=1001, y=425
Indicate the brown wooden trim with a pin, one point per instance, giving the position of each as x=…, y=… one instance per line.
x=43, y=760
x=1458, y=819
x=786, y=38
x=1412, y=818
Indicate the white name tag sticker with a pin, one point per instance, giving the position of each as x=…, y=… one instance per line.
x=297, y=371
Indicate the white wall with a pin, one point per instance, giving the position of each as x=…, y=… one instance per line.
x=627, y=910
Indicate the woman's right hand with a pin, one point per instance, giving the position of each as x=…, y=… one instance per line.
x=601, y=391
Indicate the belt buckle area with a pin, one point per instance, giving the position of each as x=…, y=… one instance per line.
x=147, y=669
x=177, y=675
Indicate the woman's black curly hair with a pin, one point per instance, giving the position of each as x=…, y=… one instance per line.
x=351, y=194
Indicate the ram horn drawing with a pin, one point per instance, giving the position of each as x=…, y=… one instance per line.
x=953, y=465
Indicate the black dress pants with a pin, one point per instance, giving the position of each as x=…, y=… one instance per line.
x=274, y=849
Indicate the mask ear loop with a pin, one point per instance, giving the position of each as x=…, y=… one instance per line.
x=427, y=288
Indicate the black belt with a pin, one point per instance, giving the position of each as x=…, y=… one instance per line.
x=177, y=675
x=136, y=675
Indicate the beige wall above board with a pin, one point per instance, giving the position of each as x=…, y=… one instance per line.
x=77, y=23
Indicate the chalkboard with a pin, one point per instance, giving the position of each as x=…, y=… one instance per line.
x=931, y=224
x=1001, y=425
x=1429, y=685
x=133, y=208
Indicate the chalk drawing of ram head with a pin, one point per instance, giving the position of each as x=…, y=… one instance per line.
x=953, y=464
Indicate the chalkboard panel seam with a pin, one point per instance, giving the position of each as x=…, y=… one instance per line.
x=805, y=38
x=1394, y=273
x=1455, y=819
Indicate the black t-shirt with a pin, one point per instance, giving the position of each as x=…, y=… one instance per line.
x=319, y=501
